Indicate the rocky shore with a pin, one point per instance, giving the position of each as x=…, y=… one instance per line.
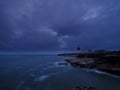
x=84, y=88
x=107, y=61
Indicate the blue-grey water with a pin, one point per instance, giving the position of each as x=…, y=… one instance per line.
x=42, y=72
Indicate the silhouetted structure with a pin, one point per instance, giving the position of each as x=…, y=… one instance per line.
x=78, y=48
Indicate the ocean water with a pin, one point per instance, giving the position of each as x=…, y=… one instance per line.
x=42, y=72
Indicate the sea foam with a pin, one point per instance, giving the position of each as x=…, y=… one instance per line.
x=41, y=78
x=103, y=73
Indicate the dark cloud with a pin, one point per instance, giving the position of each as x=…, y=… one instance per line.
x=33, y=25
x=69, y=28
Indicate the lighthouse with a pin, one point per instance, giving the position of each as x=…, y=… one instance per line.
x=78, y=48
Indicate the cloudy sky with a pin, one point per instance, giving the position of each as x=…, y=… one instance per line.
x=44, y=25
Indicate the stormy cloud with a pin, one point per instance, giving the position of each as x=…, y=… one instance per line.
x=35, y=25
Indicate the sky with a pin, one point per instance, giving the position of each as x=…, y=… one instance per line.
x=48, y=25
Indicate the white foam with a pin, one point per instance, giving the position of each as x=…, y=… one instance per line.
x=112, y=75
x=57, y=64
x=103, y=73
x=100, y=72
x=41, y=78
x=52, y=66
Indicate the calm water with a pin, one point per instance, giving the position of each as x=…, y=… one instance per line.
x=42, y=72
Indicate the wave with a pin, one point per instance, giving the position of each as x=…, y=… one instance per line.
x=103, y=73
x=53, y=66
x=43, y=77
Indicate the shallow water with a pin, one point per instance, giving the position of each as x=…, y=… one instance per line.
x=42, y=72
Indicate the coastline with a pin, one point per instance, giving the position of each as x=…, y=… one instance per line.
x=106, y=61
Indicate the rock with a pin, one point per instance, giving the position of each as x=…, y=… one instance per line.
x=84, y=88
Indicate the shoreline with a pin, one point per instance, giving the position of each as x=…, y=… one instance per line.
x=103, y=61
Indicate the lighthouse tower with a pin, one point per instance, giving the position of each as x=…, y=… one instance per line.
x=78, y=48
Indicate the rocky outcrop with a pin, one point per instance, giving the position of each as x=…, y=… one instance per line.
x=108, y=61
x=85, y=88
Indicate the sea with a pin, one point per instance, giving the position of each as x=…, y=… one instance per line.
x=43, y=72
